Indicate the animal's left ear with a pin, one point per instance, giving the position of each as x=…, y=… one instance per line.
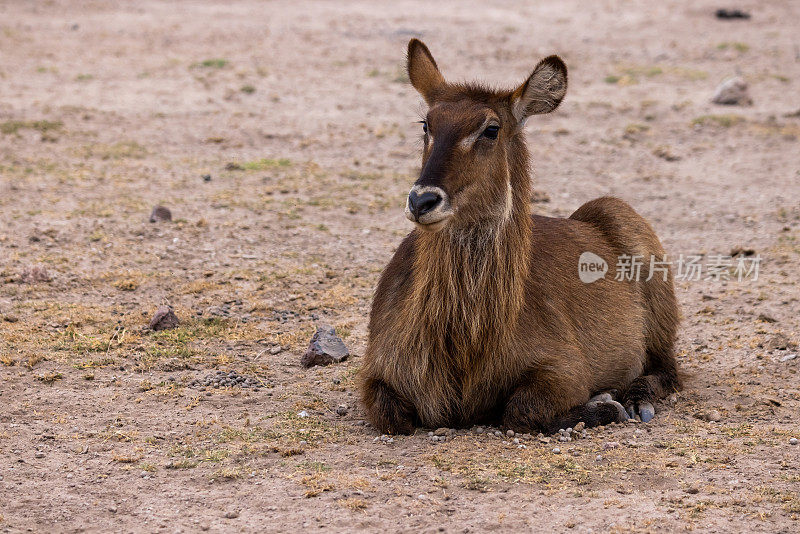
x=542, y=91
x=422, y=70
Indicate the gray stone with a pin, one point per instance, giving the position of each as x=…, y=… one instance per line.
x=160, y=213
x=779, y=342
x=732, y=92
x=164, y=319
x=710, y=416
x=325, y=348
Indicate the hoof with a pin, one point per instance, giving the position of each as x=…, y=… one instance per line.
x=646, y=411
x=642, y=410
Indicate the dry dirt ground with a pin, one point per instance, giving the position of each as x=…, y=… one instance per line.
x=302, y=116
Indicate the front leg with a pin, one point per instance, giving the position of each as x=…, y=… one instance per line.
x=545, y=402
x=387, y=410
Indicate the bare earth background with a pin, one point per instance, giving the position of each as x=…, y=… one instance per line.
x=302, y=116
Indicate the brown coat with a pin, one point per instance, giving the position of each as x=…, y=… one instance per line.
x=484, y=318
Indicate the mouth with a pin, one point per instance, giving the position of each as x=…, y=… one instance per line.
x=433, y=226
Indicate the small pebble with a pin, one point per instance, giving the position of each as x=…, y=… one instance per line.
x=711, y=416
x=556, y=451
x=233, y=514
x=599, y=458
x=510, y=433
x=793, y=441
x=341, y=409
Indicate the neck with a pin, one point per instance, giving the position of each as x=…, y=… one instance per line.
x=469, y=282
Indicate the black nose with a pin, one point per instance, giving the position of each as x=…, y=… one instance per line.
x=422, y=204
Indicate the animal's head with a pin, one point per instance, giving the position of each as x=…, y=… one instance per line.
x=470, y=134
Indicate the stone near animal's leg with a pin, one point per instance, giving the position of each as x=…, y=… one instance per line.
x=325, y=348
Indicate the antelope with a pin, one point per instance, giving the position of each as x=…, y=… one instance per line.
x=480, y=317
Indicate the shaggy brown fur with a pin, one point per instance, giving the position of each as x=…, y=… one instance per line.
x=482, y=317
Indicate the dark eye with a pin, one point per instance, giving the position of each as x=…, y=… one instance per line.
x=491, y=132
x=424, y=126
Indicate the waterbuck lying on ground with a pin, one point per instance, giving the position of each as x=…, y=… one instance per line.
x=481, y=315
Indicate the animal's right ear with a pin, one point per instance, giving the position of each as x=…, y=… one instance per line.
x=422, y=70
x=542, y=92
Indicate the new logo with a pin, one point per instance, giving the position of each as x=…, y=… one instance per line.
x=591, y=267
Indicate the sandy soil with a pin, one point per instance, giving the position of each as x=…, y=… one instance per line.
x=302, y=116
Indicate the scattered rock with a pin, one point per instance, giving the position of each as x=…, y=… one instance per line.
x=342, y=409
x=732, y=92
x=793, y=441
x=302, y=414
x=221, y=379
x=39, y=454
x=35, y=273
x=276, y=350
x=742, y=251
x=164, y=319
x=160, y=213
x=789, y=357
x=510, y=433
x=711, y=416
x=778, y=342
x=665, y=153
x=731, y=14
x=325, y=348
x=579, y=427
x=232, y=514
x=441, y=431
x=233, y=166
x=556, y=451
x=539, y=197
x=766, y=318
x=610, y=445
x=206, y=177
x=692, y=490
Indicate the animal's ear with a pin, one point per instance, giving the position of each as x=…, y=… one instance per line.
x=542, y=91
x=422, y=70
